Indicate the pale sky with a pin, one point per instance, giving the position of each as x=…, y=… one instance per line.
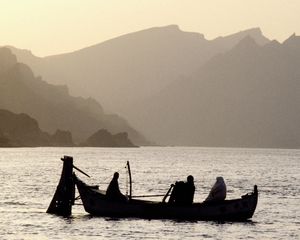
x=48, y=27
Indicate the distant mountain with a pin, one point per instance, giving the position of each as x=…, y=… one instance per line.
x=103, y=138
x=180, y=89
x=246, y=97
x=230, y=41
x=52, y=106
x=129, y=68
x=20, y=130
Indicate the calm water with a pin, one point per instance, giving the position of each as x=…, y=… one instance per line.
x=29, y=177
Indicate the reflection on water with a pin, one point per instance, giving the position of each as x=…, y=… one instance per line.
x=29, y=177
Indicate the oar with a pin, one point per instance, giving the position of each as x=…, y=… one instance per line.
x=158, y=195
x=77, y=169
x=155, y=195
x=80, y=171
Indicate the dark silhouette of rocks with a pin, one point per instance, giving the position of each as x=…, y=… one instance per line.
x=52, y=106
x=62, y=138
x=20, y=130
x=103, y=138
x=4, y=141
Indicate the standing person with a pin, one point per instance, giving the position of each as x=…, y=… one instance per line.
x=189, y=189
x=113, y=191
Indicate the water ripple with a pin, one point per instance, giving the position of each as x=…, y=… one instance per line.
x=31, y=177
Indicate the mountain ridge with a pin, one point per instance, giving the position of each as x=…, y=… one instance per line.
x=52, y=105
x=160, y=81
x=133, y=66
x=242, y=98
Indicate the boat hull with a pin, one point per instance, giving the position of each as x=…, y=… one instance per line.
x=96, y=203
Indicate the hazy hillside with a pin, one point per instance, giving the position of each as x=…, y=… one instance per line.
x=52, y=106
x=103, y=138
x=247, y=97
x=20, y=130
x=180, y=89
x=124, y=70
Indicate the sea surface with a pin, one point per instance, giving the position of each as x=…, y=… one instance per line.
x=29, y=177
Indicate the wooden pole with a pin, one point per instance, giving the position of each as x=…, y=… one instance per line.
x=64, y=196
x=130, y=181
x=168, y=193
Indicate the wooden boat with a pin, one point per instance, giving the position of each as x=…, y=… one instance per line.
x=96, y=203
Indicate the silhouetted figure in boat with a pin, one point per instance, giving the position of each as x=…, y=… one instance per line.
x=113, y=191
x=183, y=192
x=218, y=191
x=190, y=189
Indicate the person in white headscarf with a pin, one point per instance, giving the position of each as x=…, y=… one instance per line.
x=218, y=191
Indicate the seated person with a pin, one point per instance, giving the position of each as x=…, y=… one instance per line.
x=113, y=192
x=183, y=193
x=218, y=191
